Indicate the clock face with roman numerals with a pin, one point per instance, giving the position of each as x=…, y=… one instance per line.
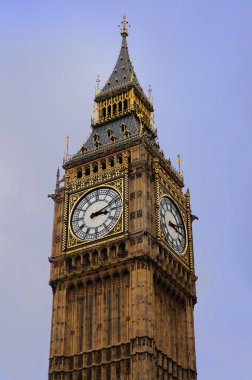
x=172, y=225
x=96, y=213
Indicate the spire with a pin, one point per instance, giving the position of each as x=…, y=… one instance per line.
x=123, y=75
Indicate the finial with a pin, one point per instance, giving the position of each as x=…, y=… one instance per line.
x=57, y=178
x=67, y=142
x=150, y=91
x=124, y=26
x=179, y=161
x=153, y=123
x=150, y=94
x=97, y=88
x=131, y=76
x=97, y=82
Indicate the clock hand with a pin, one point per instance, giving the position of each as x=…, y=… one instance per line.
x=98, y=213
x=104, y=208
x=175, y=227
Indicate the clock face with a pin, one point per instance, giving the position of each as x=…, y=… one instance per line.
x=172, y=224
x=96, y=213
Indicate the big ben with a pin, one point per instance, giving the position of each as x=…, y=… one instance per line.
x=122, y=262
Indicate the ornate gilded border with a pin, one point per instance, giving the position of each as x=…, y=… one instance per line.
x=181, y=202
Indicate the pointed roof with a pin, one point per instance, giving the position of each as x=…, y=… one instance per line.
x=123, y=75
x=123, y=71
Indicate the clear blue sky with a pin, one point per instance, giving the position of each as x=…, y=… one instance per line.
x=197, y=56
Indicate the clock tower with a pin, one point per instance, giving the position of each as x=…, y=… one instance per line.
x=122, y=267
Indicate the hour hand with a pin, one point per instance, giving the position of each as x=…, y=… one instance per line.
x=98, y=213
x=103, y=210
x=175, y=227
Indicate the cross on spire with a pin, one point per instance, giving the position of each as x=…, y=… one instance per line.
x=124, y=26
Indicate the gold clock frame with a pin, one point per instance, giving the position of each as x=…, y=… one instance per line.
x=184, y=220
x=72, y=241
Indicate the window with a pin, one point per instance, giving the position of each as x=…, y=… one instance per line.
x=90, y=321
x=123, y=127
x=87, y=170
x=81, y=313
x=108, y=372
x=118, y=371
x=109, y=132
x=109, y=318
x=118, y=314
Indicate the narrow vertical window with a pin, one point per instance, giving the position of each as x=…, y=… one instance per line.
x=120, y=106
x=81, y=323
x=109, y=317
x=114, y=108
x=90, y=321
x=118, y=372
x=118, y=314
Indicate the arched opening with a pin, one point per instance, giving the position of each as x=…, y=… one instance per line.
x=122, y=250
x=95, y=168
x=109, y=111
x=70, y=266
x=113, y=251
x=79, y=173
x=86, y=261
x=104, y=112
x=78, y=262
x=120, y=159
x=112, y=162
x=95, y=257
x=103, y=165
x=104, y=254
